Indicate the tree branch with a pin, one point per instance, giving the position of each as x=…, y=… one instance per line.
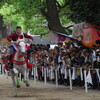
x=68, y=27
x=43, y=34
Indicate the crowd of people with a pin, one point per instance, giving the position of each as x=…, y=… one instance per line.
x=71, y=55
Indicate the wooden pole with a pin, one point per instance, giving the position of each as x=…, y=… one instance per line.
x=86, y=88
x=70, y=79
x=45, y=76
x=56, y=77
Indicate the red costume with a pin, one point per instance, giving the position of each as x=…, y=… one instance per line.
x=15, y=36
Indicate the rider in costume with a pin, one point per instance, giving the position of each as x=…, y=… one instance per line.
x=13, y=38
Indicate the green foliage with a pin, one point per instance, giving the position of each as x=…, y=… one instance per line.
x=26, y=13
x=21, y=13
x=85, y=10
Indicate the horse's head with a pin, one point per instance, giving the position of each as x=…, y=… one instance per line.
x=21, y=46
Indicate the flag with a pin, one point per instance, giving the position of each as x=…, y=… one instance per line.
x=89, y=78
x=74, y=74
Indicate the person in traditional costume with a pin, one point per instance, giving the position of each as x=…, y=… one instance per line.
x=13, y=38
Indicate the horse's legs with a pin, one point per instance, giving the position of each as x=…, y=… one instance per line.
x=13, y=78
x=15, y=70
x=17, y=81
x=24, y=73
x=14, y=82
x=26, y=77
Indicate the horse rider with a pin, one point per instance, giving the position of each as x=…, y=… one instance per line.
x=13, y=38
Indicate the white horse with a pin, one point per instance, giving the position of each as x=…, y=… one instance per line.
x=19, y=66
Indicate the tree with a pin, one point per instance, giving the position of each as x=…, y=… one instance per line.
x=31, y=13
x=52, y=16
x=5, y=29
x=85, y=10
x=1, y=25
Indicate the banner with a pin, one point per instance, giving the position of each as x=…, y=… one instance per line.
x=90, y=35
x=56, y=37
x=78, y=29
x=53, y=37
x=61, y=38
x=89, y=78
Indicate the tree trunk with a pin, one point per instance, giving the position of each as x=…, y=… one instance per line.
x=1, y=25
x=6, y=30
x=52, y=16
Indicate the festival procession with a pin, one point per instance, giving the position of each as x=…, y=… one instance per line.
x=49, y=50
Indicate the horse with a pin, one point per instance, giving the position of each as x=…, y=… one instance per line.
x=19, y=66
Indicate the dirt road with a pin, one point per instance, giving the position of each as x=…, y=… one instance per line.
x=39, y=91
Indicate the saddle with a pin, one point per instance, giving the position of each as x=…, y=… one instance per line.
x=9, y=60
x=8, y=66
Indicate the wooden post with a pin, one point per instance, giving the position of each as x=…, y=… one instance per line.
x=51, y=73
x=45, y=76
x=86, y=88
x=70, y=79
x=34, y=74
x=0, y=68
x=56, y=77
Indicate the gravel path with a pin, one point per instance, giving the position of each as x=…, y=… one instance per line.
x=39, y=91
